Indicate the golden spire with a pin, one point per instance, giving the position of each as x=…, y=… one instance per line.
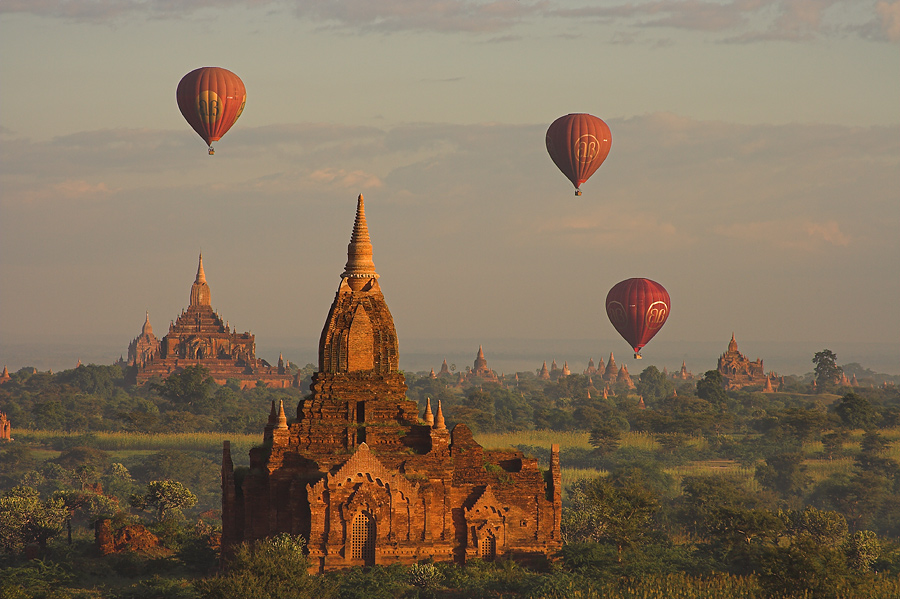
x=200, y=294
x=428, y=417
x=439, y=423
x=360, y=267
x=201, y=276
x=281, y=418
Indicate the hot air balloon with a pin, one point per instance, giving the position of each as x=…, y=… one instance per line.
x=211, y=100
x=578, y=145
x=638, y=308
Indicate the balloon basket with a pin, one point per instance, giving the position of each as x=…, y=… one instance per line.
x=211, y=151
x=578, y=192
x=638, y=357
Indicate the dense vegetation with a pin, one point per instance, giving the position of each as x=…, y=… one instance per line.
x=700, y=493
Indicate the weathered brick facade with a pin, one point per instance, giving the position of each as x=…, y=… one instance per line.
x=364, y=479
x=737, y=370
x=199, y=336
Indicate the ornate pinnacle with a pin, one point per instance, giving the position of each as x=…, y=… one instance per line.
x=281, y=419
x=359, y=251
x=439, y=423
x=429, y=417
x=201, y=276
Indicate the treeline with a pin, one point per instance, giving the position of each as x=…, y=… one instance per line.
x=97, y=398
x=809, y=505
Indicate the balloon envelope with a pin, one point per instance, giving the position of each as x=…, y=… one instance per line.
x=211, y=100
x=578, y=145
x=638, y=308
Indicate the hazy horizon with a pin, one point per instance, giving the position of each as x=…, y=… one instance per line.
x=503, y=355
x=754, y=172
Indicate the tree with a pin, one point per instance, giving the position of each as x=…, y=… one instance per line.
x=856, y=412
x=833, y=442
x=605, y=438
x=784, y=473
x=168, y=497
x=828, y=373
x=862, y=549
x=712, y=388
x=274, y=568
x=25, y=519
x=609, y=511
x=190, y=387
x=653, y=385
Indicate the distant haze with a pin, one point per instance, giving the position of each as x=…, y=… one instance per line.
x=503, y=355
x=754, y=172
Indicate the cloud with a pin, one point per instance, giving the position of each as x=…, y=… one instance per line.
x=69, y=190
x=357, y=179
x=741, y=21
x=419, y=15
x=888, y=20
x=748, y=20
x=367, y=15
x=614, y=227
x=789, y=235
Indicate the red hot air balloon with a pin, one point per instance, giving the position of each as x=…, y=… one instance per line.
x=638, y=308
x=578, y=145
x=211, y=100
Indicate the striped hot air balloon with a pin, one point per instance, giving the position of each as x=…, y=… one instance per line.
x=211, y=100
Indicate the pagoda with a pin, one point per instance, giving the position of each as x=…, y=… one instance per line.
x=363, y=479
x=199, y=337
x=737, y=370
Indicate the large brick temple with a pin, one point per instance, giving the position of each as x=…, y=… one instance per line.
x=737, y=370
x=200, y=337
x=366, y=480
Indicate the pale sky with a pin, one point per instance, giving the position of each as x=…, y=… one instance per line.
x=754, y=172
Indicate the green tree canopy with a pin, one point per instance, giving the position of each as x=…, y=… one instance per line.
x=653, y=385
x=25, y=519
x=712, y=388
x=828, y=373
x=168, y=497
x=856, y=412
x=190, y=387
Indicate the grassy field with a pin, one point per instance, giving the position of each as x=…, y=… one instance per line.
x=135, y=444
x=121, y=445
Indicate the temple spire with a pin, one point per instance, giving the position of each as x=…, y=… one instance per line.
x=201, y=275
x=439, y=422
x=147, y=329
x=360, y=267
x=200, y=295
x=429, y=416
x=281, y=417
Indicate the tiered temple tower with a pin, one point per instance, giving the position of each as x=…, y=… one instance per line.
x=363, y=479
x=144, y=346
x=737, y=370
x=481, y=372
x=200, y=337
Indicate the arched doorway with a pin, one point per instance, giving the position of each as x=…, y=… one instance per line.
x=487, y=547
x=362, y=538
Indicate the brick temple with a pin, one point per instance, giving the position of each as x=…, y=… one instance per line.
x=366, y=480
x=737, y=370
x=199, y=336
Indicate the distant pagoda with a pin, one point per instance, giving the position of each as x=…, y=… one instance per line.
x=199, y=337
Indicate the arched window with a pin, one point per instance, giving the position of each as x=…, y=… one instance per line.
x=362, y=538
x=487, y=547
